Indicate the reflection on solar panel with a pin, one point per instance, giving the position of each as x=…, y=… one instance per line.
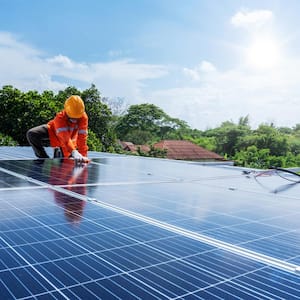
x=129, y=227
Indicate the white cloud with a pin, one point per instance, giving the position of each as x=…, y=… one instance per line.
x=62, y=61
x=115, y=53
x=252, y=19
x=11, y=42
x=25, y=67
x=202, y=95
x=203, y=67
x=206, y=66
x=192, y=73
x=270, y=96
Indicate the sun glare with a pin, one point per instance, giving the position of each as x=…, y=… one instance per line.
x=263, y=53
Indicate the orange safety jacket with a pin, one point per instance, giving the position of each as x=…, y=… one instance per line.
x=67, y=135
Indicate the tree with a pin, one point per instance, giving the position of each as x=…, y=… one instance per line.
x=157, y=152
x=296, y=128
x=253, y=158
x=118, y=105
x=10, y=110
x=147, y=123
x=150, y=122
x=294, y=144
x=6, y=140
x=228, y=136
x=208, y=143
x=21, y=111
x=244, y=121
x=269, y=137
x=62, y=95
x=99, y=117
x=285, y=130
x=173, y=129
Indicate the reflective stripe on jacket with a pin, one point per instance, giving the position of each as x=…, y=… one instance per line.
x=67, y=135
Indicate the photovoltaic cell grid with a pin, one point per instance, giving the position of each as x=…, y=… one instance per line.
x=131, y=227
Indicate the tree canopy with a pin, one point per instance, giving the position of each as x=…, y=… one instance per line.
x=21, y=111
x=111, y=119
x=145, y=123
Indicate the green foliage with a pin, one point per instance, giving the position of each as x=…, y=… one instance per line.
x=117, y=105
x=293, y=144
x=296, y=128
x=143, y=117
x=285, y=130
x=261, y=159
x=61, y=97
x=261, y=148
x=6, y=140
x=267, y=136
x=153, y=152
x=253, y=157
x=229, y=136
x=145, y=124
x=93, y=142
x=138, y=136
x=99, y=116
x=22, y=111
x=208, y=143
x=157, y=152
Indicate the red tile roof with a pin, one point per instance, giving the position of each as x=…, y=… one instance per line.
x=186, y=150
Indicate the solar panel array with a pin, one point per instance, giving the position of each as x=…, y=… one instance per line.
x=125, y=227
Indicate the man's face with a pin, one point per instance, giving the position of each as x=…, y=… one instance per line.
x=73, y=120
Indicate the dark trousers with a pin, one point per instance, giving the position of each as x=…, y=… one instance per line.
x=36, y=137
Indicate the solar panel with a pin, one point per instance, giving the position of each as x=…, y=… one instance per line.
x=142, y=228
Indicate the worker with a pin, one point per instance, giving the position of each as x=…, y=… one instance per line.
x=67, y=132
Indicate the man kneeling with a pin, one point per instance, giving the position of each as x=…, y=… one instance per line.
x=67, y=132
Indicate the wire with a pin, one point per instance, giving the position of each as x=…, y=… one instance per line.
x=285, y=170
x=288, y=172
x=275, y=171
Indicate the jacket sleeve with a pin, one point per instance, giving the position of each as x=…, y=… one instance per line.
x=82, y=135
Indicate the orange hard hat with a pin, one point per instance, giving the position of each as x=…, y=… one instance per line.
x=74, y=107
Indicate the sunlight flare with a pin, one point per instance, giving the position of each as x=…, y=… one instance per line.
x=263, y=53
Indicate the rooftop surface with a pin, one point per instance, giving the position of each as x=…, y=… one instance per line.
x=128, y=227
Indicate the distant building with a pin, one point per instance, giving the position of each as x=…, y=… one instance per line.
x=186, y=150
x=177, y=149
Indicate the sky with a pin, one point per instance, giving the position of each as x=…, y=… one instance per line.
x=202, y=61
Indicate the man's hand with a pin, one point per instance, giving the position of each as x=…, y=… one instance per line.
x=78, y=157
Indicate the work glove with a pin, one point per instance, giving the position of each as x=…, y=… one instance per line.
x=77, y=156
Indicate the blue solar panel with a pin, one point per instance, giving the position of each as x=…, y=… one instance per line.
x=142, y=228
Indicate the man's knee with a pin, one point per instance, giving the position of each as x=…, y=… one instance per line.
x=32, y=136
x=37, y=134
x=29, y=136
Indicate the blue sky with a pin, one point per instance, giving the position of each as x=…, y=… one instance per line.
x=203, y=61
